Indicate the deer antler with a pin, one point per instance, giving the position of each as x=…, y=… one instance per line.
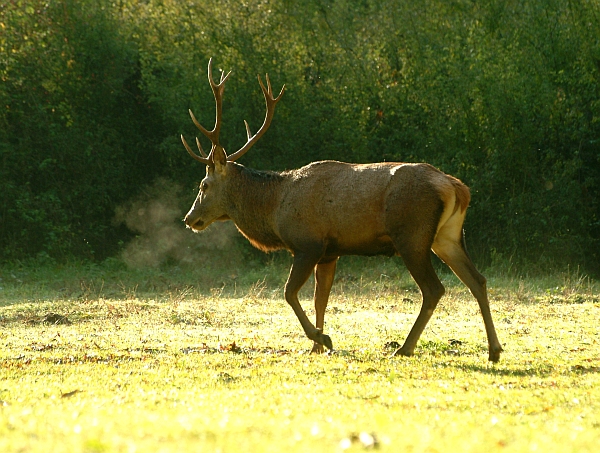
x=212, y=135
x=204, y=160
x=270, y=102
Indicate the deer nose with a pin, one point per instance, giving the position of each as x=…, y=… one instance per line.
x=191, y=222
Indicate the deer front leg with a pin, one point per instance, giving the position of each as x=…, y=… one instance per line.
x=324, y=274
x=301, y=270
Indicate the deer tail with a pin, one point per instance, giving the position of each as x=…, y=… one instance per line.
x=463, y=195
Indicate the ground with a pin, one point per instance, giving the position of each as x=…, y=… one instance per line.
x=104, y=366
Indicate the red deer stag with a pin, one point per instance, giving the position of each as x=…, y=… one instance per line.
x=328, y=209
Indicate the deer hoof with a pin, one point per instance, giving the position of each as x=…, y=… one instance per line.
x=317, y=349
x=324, y=340
x=320, y=339
x=402, y=352
x=495, y=355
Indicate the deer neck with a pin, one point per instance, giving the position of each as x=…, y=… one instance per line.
x=254, y=196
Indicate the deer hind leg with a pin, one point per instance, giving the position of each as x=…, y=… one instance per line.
x=302, y=267
x=324, y=274
x=449, y=245
x=420, y=267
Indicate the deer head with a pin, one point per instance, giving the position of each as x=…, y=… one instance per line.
x=211, y=203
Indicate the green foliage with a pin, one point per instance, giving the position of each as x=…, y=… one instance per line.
x=77, y=135
x=503, y=94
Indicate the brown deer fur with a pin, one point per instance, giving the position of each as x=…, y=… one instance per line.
x=328, y=209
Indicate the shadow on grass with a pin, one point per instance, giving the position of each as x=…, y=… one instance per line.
x=538, y=371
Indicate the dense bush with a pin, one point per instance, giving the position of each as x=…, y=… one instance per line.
x=77, y=135
x=501, y=93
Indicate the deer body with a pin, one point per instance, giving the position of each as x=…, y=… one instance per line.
x=328, y=209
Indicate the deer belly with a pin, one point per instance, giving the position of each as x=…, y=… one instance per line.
x=367, y=247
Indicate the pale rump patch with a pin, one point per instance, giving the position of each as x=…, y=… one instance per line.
x=455, y=196
x=448, y=196
x=449, y=233
x=449, y=229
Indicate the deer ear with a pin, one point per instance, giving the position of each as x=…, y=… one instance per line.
x=219, y=158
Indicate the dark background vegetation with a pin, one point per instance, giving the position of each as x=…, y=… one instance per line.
x=504, y=94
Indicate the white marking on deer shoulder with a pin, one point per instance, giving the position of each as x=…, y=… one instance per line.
x=394, y=169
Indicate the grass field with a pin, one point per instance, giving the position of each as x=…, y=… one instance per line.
x=95, y=360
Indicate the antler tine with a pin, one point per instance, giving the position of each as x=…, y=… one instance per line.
x=217, y=88
x=270, y=102
x=224, y=77
x=204, y=160
x=198, y=125
x=269, y=90
x=211, y=80
x=200, y=148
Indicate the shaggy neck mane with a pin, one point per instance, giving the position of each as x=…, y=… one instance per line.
x=255, y=195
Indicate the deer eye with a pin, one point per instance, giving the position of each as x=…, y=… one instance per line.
x=203, y=187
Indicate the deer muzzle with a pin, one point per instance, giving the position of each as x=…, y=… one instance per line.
x=193, y=222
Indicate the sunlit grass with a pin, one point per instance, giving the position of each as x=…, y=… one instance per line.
x=154, y=362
